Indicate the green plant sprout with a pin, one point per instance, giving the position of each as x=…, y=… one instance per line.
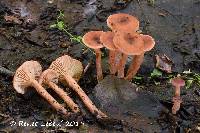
x=151, y=2
x=188, y=76
x=62, y=27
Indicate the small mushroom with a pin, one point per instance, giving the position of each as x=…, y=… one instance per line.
x=50, y=78
x=62, y=66
x=107, y=40
x=26, y=76
x=177, y=83
x=123, y=22
x=149, y=43
x=92, y=40
x=129, y=43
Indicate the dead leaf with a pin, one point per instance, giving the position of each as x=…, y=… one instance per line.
x=163, y=63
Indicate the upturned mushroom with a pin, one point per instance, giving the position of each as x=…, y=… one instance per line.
x=26, y=76
x=149, y=43
x=62, y=66
x=107, y=40
x=177, y=83
x=129, y=43
x=92, y=40
x=50, y=77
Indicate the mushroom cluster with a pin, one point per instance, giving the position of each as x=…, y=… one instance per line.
x=64, y=69
x=122, y=41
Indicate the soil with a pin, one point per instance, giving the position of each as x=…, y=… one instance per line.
x=174, y=24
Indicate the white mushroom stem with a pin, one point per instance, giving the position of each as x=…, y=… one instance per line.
x=121, y=65
x=86, y=100
x=98, y=65
x=49, y=98
x=112, y=61
x=73, y=106
x=135, y=66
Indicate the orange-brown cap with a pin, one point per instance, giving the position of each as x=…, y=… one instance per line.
x=65, y=65
x=129, y=43
x=29, y=70
x=123, y=22
x=107, y=40
x=149, y=42
x=92, y=39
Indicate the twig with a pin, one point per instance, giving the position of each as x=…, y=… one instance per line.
x=87, y=67
x=6, y=71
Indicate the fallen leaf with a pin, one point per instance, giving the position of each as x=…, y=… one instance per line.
x=163, y=63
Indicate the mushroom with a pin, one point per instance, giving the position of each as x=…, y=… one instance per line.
x=62, y=66
x=107, y=40
x=129, y=43
x=177, y=83
x=92, y=40
x=26, y=76
x=149, y=43
x=123, y=22
x=50, y=78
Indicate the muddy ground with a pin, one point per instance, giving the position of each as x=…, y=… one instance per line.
x=174, y=24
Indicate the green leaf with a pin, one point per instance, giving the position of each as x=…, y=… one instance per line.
x=189, y=83
x=137, y=77
x=61, y=25
x=53, y=26
x=156, y=73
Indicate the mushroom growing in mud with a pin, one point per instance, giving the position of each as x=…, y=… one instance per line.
x=129, y=43
x=107, y=40
x=26, y=76
x=149, y=43
x=92, y=40
x=119, y=23
x=177, y=83
x=50, y=78
x=62, y=65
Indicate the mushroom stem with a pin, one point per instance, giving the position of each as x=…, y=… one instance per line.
x=49, y=98
x=73, y=106
x=121, y=65
x=176, y=104
x=112, y=61
x=86, y=100
x=177, y=91
x=98, y=65
x=135, y=66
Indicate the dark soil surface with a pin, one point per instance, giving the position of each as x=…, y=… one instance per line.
x=174, y=24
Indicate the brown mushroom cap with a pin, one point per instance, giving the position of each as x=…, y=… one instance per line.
x=178, y=82
x=24, y=74
x=49, y=75
x=149, y=42
x=67, y=65
x=123, y=22
x=129, y=43
x=92, y=39
x=107, y=40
